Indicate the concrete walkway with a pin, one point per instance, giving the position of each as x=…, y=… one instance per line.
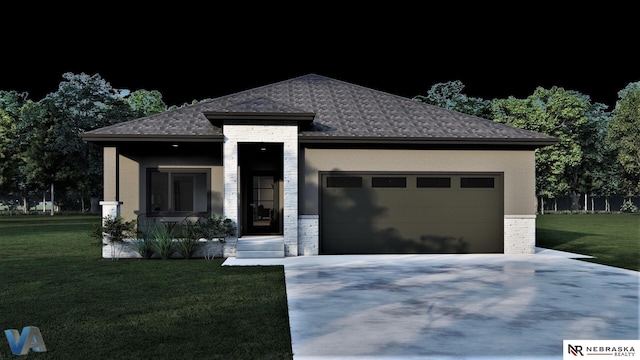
x=477, y=306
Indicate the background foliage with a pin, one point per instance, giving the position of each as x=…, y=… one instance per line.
x=41, y=153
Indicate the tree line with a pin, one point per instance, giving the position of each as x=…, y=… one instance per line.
x=40, y=150
x=598, y=152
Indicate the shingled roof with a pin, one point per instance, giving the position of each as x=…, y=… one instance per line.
x=333, y=110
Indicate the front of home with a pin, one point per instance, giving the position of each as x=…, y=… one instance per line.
x=329, y=167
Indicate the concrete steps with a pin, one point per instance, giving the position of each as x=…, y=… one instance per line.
x=260, y=247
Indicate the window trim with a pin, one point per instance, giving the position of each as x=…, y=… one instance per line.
x=193, y=171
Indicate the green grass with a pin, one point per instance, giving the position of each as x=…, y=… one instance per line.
x=613, y=239
x=87, y=307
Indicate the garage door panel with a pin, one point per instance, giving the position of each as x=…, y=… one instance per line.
x=473, y=230
x=437, y=238
x=413, y=219
x=449, y=198
x=417, y=214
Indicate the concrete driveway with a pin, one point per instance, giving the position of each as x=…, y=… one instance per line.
x=478, y=306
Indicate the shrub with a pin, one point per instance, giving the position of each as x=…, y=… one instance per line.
x=188, y=243
x=162, y=241
x=628, y=207
x=143, y=246
x=115, y=228
x=215, y=226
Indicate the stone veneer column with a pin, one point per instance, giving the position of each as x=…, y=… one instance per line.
x=519, y=234
x=283, y=134
x=308, y=234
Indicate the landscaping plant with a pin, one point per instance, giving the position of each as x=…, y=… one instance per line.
x=162, y=241
x=188, y=243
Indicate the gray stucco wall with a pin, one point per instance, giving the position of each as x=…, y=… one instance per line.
x=518, y=168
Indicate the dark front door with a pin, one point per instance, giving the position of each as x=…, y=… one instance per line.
x=261, y=178
x=262, y=198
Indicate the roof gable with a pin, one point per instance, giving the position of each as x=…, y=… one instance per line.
x=341, y=112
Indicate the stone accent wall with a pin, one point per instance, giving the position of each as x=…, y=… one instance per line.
x=308, y=234
x=283, y=134
x=519, y=234
x=208, y=249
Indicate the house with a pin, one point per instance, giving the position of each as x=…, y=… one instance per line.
x=329, y=167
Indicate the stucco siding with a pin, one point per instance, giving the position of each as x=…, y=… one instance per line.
x=132, y=179
x=518, y=168
x=129, y=187
x=110, y=163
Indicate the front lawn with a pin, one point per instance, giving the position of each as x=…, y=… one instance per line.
x=87, y=307
x=613, y=239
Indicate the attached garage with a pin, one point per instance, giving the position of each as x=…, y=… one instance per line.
x=395, y=213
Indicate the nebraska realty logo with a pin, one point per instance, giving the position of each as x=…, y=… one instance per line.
x=601, y=349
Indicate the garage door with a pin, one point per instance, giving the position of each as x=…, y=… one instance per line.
x=380, y=213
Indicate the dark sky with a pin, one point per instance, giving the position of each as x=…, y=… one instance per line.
x=195, y=53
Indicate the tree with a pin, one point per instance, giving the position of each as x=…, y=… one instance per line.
x=560, y=113
x=145, y=102
x=623, y=135
x=449, y=96
x=12, y=101
x=31, y=176
x=10, y=104
x=7, y=155
x=56, y=153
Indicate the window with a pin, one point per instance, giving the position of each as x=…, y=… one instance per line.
x=477, y=182
x=433, y=182
x=389, y=182
x=344, y=181
x=177, y=191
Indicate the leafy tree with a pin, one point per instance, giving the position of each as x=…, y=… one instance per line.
x=10, y=104
x=596, y=156
x=193, y=102
x=56, y=153
x=7, y=140
x=623, y=135
x=145, y=102
x=12, y=101
x=449, y=96
x=31, y=137
x=601, y=175
x=560, y=113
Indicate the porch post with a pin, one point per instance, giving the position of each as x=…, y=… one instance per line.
x=110, y=205
x=110, y=208
x=230, y=164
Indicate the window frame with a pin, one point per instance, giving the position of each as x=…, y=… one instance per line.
x=194, y=172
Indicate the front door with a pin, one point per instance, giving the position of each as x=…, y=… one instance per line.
x=263, y=208
x=261, y=179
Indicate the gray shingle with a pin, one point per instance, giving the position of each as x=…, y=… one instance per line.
x=343, y=111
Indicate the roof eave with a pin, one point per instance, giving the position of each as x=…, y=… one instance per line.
x=260, y=118
x=150, y=138
x=527, y=142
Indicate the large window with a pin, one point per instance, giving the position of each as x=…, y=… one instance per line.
x=177, y=191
